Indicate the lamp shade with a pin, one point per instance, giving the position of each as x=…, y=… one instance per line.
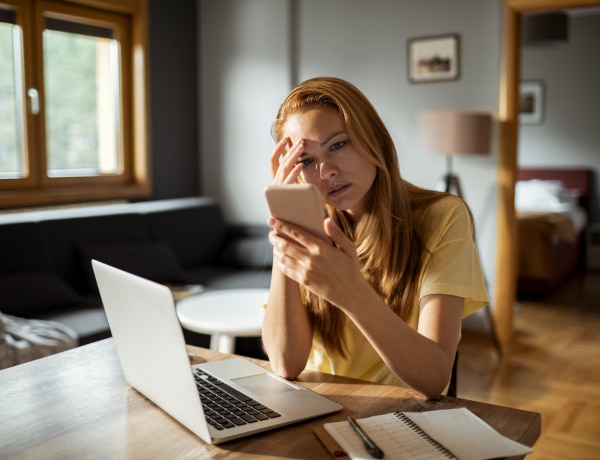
x=456, y=133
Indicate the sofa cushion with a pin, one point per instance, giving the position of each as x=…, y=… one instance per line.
x=28, y=292
x=154, y=260
x=88, y=322
x=196, y=234
x=64, y=235
x=23, y=247
x=213, y=277
x=248, y=252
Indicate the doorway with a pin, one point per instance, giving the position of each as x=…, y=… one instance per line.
x=508, y=114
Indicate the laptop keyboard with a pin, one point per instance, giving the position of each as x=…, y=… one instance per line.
x=226, y=407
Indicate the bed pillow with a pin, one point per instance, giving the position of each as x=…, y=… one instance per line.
x=539, y=196
x=570, y=197
x=154, y=260
x=29, y=292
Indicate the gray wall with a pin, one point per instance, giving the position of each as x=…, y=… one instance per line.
x=251, y=52
x=244, y=75
x=570, y=132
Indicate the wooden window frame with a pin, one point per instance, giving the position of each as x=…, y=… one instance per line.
x=39, y=189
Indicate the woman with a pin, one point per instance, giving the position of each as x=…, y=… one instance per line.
x=385, y=301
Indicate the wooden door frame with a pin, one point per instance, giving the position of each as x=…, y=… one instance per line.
x=505, y=291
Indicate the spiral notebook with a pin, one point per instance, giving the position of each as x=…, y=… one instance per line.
x=440, y=434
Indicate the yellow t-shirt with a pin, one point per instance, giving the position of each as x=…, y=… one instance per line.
x=452, y=268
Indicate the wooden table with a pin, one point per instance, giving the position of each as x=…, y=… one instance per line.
x=76, y=404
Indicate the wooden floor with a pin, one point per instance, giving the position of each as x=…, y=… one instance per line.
x=553, y=368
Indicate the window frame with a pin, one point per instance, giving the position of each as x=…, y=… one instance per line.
x=130, y=20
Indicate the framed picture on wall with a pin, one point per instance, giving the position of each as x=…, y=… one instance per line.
x=435, y=58
x=531, y=102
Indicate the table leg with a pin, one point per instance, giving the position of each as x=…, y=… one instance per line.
x=223, y=343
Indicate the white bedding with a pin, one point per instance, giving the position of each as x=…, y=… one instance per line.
x=550, y=196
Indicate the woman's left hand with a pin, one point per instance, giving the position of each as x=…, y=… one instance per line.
x=322, y=267
x=285, y=167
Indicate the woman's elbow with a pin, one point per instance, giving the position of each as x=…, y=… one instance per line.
x=434, y=388
x=286, y=371
x=284, y=366
x=433, y=392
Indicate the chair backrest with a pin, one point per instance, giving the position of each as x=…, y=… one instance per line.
x=452, y=387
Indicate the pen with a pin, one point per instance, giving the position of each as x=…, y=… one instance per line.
x=373, y=448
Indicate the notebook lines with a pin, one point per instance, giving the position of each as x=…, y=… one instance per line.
x=395, y=438
x=419, y=431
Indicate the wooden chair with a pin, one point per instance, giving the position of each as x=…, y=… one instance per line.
x=452, y=387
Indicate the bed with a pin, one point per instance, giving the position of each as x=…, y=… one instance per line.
x=553, y=206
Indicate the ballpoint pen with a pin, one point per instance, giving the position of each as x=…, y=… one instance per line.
x=372, y=448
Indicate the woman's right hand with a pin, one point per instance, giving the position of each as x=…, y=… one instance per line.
x=285, y=167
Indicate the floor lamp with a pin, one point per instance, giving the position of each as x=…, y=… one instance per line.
x=456, y=133
x=453, y=133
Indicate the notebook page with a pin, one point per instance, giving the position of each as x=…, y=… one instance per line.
x=466, y=435
x=394, y=437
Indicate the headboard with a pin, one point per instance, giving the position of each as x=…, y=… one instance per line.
x=580, y=179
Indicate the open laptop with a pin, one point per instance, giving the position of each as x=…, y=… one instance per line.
x=154, y=359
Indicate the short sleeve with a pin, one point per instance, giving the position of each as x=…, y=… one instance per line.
x=452, y=265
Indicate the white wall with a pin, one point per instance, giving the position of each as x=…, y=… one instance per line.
x=570, y=132
x=249, y=57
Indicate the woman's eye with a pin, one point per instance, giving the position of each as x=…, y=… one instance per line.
x=306, y=161
x=338, y=145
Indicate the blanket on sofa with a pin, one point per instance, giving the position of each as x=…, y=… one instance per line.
x=23, y=340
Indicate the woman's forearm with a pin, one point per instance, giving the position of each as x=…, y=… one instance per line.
x=287, y=333
x=423, y=359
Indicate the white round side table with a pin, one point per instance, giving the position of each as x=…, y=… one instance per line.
x=224, y=315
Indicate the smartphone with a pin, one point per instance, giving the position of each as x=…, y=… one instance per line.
x=298, y=204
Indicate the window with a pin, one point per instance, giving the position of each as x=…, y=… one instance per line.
x=72, y=101
x=11, y=110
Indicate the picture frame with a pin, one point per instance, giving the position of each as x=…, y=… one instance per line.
x=531, y=102
x=434, y=58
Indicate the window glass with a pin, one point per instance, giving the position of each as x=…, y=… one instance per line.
x=82, y=100
x=11, y=107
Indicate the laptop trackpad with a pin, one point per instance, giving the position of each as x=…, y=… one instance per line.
x=263, y=384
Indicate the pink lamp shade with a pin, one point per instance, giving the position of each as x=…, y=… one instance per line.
x=456, y=133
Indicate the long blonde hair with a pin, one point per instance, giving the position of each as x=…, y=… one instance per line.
x=388, y=241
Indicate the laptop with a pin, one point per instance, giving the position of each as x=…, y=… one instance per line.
x=154, y=359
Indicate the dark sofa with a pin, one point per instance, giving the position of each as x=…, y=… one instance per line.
x=45, y=270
